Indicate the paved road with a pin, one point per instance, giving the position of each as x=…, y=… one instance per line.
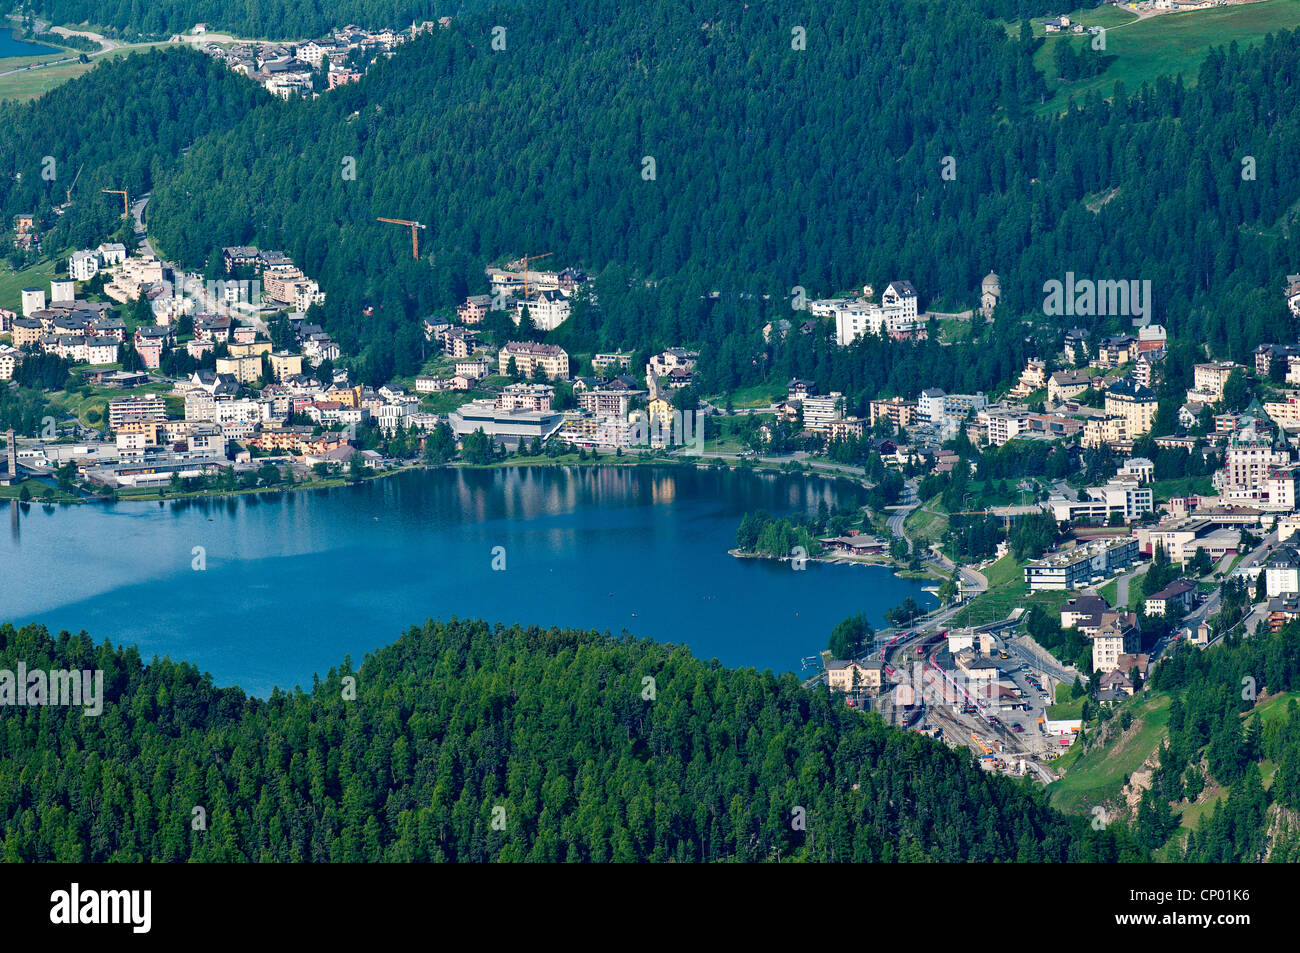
x=972, y=581
x=106, y=46
x=137, y=213
x=797, y=457
x=1121, y=584
x=900, y=513
x=102, y=40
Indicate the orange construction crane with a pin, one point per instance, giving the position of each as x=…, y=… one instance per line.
x=415, y=237
x=527, y=259
x=126, y=209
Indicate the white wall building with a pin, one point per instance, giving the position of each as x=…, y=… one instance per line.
x=818, y=412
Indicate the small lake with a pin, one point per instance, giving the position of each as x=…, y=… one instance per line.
x=296, y=580
x=10, y=45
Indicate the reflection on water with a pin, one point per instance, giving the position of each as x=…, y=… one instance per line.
x=296, y=580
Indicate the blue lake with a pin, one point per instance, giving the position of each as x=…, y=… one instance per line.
x=10, y=45
x=295, y=581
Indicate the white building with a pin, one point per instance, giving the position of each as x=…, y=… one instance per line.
x=1004, y=423
x=929, y=404
x=1099, y=502
x=901, y=294
x=33, y=300
x=83, y=265
x=1282, y=573
x=818, y=412
x=62, y=291
x=1247, y=463
x=1082, y=564
x=547, y=309
x=853, y=319
x=1139, y=468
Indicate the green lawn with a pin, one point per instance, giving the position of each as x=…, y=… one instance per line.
x=1006, y=571
x=1273, y=708
x=37, y=276
x=984, y=493
x=37, y=491
x=1096, y=776
x=1067, y=706
x=1168, y=44
x=954, y=330
x=1190, y=814
x=728, y=440
x=1006, y=592
x=757, y=395
x=1162, y=490
x=29, y=84
x=921, y=525
x=444, y=402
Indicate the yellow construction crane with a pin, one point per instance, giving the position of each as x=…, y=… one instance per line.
x=527, y=259
x=126, y=206
x=415, y=237
x=74, y=184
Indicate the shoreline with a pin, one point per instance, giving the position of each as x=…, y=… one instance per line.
x=606, y=460
x=898, y=570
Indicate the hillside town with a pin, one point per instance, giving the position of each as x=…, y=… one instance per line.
x=230, y=383
x=309, y=68
x=1148, y=540
x=225, y=377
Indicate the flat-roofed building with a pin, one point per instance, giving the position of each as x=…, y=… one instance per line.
x=506, y=427
x=818, y=412
x=1079, y=565
x=901, y=413
x=1098, y=503
x=122, y=410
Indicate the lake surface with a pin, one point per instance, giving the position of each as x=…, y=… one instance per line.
x=10, y=45
x=295, y=581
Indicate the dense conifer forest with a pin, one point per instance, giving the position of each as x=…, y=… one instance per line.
x=1209, y=743
x=116, y=127
x=560, y=728
x=773, y=167
x=263, y=19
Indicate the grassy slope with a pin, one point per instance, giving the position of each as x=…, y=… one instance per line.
x=1098, y=775
x=37, y=276
x=1168, y=44
x=1066, y=706
x=1006, y=592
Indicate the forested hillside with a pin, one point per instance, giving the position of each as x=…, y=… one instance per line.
x=774, y=167
x=559, y=728
x=1223, y=760
x=1209, y=744
x=118, y=126
x=271, y=19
